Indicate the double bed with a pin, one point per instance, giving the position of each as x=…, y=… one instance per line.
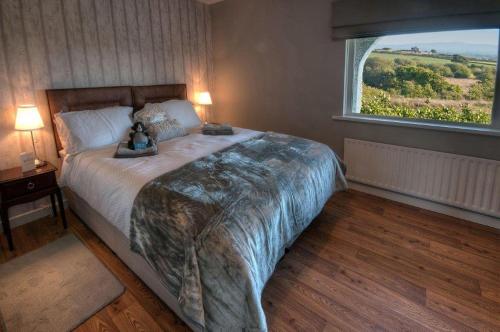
x=204, y=222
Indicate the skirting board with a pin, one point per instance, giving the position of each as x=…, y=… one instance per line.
x=32, y=215
x=428, y=205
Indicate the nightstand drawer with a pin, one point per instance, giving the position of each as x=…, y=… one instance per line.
x=27, y=186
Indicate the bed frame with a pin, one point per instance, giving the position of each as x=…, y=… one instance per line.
x=73, y=100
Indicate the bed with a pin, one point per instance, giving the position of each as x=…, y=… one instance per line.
x=204, y=222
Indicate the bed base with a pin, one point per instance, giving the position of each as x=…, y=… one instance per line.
x=120, y=245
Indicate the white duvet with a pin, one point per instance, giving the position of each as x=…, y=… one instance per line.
x=110, y=185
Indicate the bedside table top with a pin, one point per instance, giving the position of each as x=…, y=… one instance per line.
x=15, y=173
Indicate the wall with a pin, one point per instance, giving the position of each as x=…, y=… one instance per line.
x=277, y=68
x=88, y=43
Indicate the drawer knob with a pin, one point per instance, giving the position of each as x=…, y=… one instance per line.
x=31, y=185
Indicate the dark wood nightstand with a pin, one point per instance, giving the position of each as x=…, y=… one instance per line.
x=17, y=187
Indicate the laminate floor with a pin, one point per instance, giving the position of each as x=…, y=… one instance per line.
x=365, y=263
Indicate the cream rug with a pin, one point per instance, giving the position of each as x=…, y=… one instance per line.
x=54, y=288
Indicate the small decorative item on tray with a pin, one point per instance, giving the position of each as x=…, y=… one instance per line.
x=139, y=144
x=217, y=129
x=139, y=137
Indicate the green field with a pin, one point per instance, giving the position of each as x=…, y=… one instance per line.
x=425, y=59
x=416, y=58
x=484, y=63
x=428, y=87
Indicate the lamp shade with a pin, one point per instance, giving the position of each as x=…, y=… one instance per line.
x=204, y=98
x=28, y=118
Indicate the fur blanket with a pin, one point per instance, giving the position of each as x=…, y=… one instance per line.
x=215, y=228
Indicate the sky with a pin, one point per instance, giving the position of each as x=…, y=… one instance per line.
x=485, y=37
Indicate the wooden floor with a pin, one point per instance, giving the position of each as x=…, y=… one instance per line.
x=364, y=264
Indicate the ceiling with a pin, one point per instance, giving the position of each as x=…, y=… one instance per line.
x=209, y=2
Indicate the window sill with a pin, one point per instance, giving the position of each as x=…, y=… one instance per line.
x=422, y=125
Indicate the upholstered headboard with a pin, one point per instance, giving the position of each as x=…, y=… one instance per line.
x=73, y=100
x=142, y=95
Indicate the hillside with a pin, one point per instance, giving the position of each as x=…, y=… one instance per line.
x=428, y=86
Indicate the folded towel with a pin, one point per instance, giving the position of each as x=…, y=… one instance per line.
x=217, y=132
x=217, y=129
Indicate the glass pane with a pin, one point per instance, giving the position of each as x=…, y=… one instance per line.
x=444, y=76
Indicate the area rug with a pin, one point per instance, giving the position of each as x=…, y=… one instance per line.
x=54, y=288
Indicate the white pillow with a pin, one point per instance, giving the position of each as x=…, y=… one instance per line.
x=180, y=110
x=84, y=130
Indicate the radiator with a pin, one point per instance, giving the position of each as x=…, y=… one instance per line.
x=464, y=182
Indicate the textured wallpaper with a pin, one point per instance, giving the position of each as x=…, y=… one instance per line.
x=86, y=43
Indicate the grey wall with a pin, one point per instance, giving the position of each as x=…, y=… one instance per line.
x=277, y=68
x=84, y=43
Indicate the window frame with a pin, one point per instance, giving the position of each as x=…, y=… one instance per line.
x=349, y=114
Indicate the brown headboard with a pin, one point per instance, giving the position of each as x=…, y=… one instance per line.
x=142, y=95
x=73, y=100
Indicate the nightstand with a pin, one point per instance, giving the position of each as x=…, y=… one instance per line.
x=17, y=187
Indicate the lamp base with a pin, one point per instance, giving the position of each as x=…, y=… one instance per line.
x=40, y=163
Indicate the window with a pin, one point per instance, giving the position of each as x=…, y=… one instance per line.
x=440, y=77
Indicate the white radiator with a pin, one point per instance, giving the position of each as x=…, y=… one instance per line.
x=465, y=182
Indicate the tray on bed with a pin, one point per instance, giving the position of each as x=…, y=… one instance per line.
x=122, y=151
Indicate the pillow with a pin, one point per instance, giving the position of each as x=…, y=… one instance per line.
x=180, y=110
x=165, y=130
x=151, y=113
x=80, y=131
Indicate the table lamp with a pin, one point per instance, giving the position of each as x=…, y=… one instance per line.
x=28, y=119
x=204, y=99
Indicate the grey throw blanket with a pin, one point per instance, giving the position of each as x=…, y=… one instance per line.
x=215, y=228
